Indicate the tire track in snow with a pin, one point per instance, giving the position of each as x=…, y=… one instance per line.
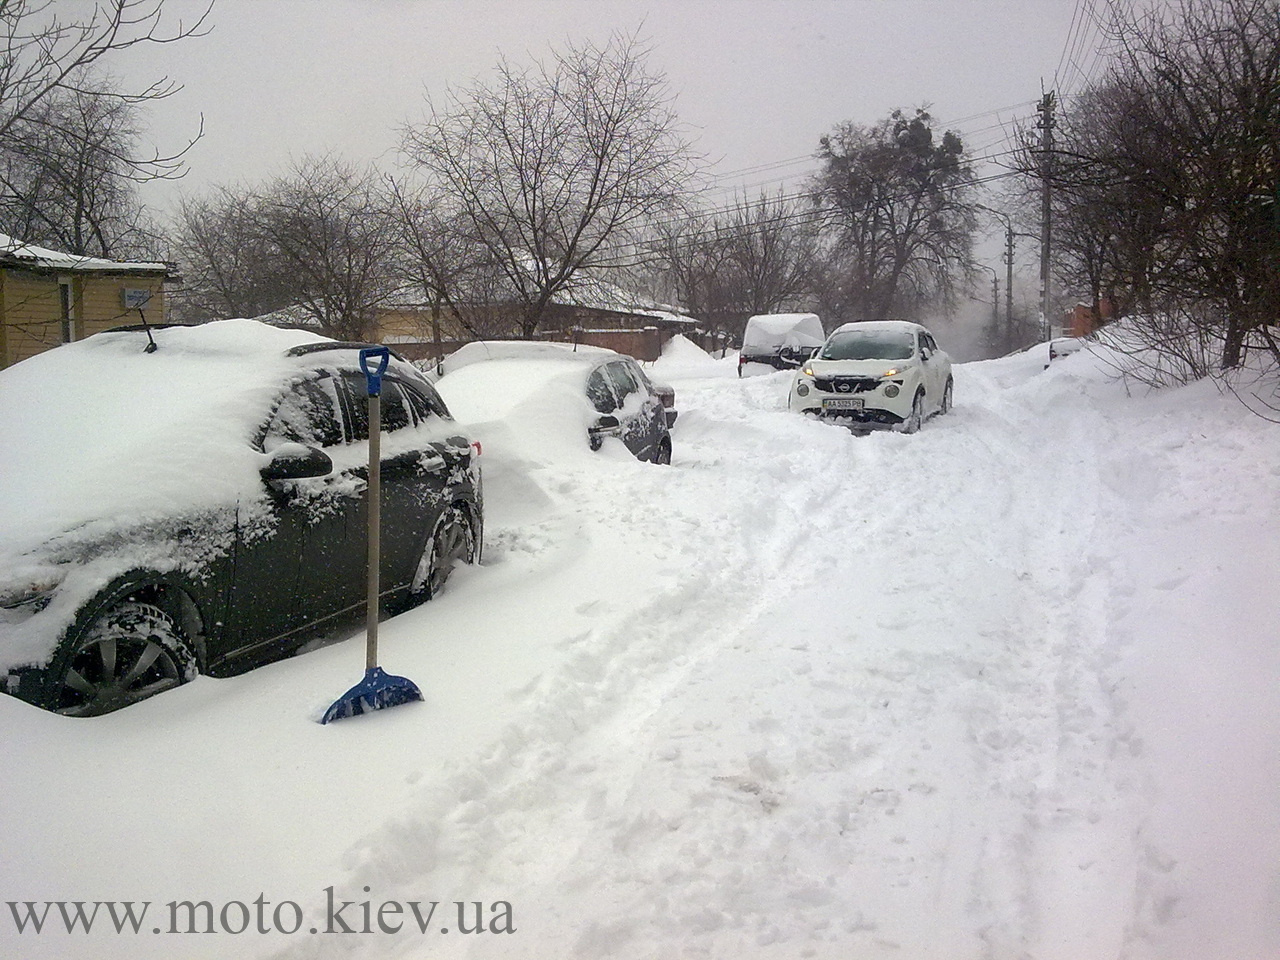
x=469, y=832
x=902, y=754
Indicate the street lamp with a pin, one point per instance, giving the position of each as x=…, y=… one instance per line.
x=1009, y=234
x=995, y=299
x=1008, y=259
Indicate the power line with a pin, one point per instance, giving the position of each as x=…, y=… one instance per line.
x=770, y=166
x=816, y=214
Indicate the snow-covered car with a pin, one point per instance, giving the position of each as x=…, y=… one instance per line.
x=1060, y=347
x=875, y=374
x=778, y=341
x=593, y=392
x=201, y=507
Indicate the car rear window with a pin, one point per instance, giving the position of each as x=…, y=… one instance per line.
x=424, y=402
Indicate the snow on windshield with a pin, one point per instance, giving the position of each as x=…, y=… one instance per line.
x=869, y=345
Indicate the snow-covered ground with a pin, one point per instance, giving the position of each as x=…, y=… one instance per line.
x=1008, y=688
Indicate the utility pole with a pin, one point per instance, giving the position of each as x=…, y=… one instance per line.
x=1008, y=283
x=995, y=300
x=1045, y=125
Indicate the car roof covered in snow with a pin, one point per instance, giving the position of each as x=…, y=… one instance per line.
x=494, y=389
x=771, y=331
x=481, y=350
x=874, y=326
x=102, y=429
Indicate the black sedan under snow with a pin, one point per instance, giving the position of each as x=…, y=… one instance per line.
x=201, y=507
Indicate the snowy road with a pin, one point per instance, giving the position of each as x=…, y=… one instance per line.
x=963, y=694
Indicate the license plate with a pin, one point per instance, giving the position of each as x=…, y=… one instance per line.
x=842, y=403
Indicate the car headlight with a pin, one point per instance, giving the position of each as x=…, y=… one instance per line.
x=33, y=594
x=807, y=370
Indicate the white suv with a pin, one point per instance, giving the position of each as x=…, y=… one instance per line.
x=876, y=374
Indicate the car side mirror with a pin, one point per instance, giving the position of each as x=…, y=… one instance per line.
x=605, y=424
x=296, y=461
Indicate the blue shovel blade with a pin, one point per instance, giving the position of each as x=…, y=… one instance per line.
x=377, y=691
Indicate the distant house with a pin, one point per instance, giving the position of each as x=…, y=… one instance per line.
x=590, y=311
x=1084, y=319
x=48, y=298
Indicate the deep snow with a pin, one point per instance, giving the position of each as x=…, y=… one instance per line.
x=1006, y=688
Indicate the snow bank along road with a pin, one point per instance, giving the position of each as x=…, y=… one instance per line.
x=1004, y=689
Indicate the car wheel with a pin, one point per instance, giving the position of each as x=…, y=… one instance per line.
x=913, y=422
x=946, y=398
x=452, y=542
x=131, y=652
x=663, y=456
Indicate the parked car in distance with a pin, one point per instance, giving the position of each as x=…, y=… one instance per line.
x=592, y=392
x=1060, y=347
x=778, y=341
x=202, y=507
x=876, y=374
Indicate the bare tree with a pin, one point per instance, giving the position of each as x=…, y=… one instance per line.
x=321, y=239
x=65, y=177
x=230, y=267
x=1168, y=175
x=755, y=257
x=461, y=284
x=334, y=230
x=899, y=220
x=69, y=144
x=771, y=245
x=557, y=169
x=694, y=269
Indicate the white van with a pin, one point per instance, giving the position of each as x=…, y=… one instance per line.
x=778, y=341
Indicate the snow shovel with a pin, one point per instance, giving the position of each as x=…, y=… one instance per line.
x=379, y=689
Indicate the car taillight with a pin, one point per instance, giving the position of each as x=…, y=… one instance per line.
x=475, y=445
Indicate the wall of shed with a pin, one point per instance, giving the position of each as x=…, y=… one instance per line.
x=31, y=308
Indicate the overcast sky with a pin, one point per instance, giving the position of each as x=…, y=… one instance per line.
x=756, y=81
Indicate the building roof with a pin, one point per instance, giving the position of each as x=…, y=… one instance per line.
x=589, y=292
x=15, y=253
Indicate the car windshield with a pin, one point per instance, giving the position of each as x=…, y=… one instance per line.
x=869, y=345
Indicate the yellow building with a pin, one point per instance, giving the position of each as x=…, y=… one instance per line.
x=48, y=298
